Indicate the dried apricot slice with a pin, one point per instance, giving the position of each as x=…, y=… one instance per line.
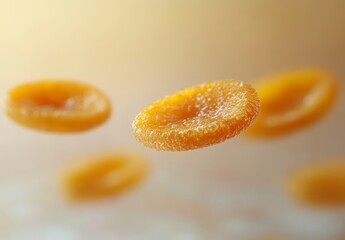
x=320, y=184
x=198, y=116
x=293, y=100
x=57, y=106
x=103, y=175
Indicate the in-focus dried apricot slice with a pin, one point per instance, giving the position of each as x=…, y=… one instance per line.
x=293, y=100
x=198, y=116
x=320, y=184
x=103, y=175
x=57, y=106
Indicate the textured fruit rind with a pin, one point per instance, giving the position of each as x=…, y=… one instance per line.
x=197, y=117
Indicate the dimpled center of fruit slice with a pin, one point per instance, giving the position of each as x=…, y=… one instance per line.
x=100, y=176
x=291, y=97
x=208, y=102
x=103, y=176
x=198, y=116
x=50, y=95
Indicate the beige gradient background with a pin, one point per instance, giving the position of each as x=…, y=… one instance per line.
x=138, y=51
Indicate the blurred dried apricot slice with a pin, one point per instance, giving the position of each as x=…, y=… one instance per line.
x=198, y=116
x=57, y=106
x=103, y=175
x=320, y=184
x=293, y=100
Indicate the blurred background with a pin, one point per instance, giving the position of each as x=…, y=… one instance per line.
x=138, y=51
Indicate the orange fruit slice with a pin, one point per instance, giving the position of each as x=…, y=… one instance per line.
x=57, y=106
x=198, y=116
x=293, y=100
x=320, y=184
x=103, y=175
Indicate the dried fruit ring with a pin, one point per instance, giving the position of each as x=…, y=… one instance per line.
x=57, y=106
x=293, y=100
x=320, y=184
x=197, y=117
x=103, y=175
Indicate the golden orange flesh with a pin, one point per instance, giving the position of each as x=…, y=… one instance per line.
x=103, y=176
x=57, y=106
x=293, y=100
x=197, y=117
x=320, y=185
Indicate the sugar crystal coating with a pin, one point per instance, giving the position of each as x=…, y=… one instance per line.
x=57, y=106
x=198, y=116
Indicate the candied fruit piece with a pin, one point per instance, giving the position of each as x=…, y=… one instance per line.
x=198, y=116
x=104, y=175
x=57, y=106
x=320, y=184
x=293, y=100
